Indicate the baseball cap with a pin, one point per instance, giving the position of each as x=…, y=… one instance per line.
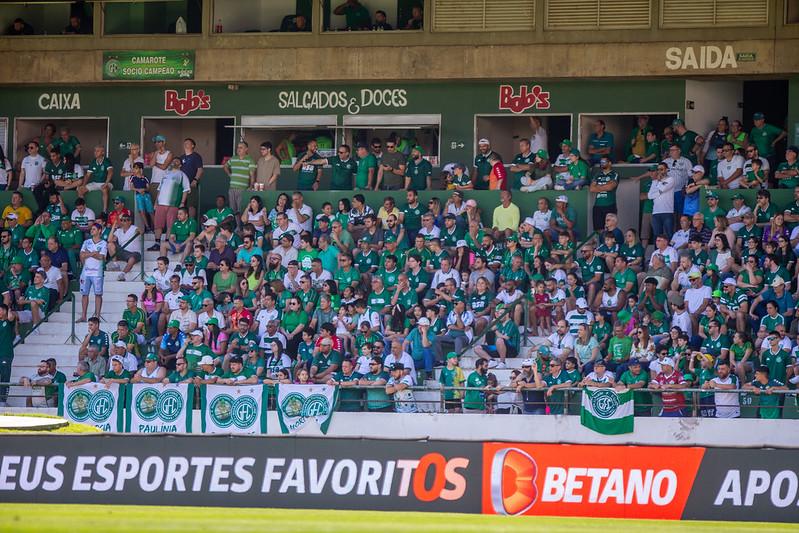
x=758, y=116
x=712, y=194
x=18, y=260
x=633, y=361
x=543, y=154
x=452, y=355
x=117, y=358
x=694, y=274
x=390, y=237
x=651, y=279
x=667, y=361
x=676, y=299
x=512, y=238
x=678, y=122
x=624, y=316
x=213, y=321
x=185, y=298
x=119, y=199
x=713, y=266
x=418, y=149
x=562, y=198
x=698, y=168
x=190, y=260
x=120, y=344
x=599, y=362
x=729, y=281
x=652, y=168
x=483, y=141
x=149, y=280
x=151, y=357
x=461, y=244
x=716, y=294
x=423, y=322
x=604, y=160
x=777, y=281
x=576, y=152
x=529, y=221
x=528, y=362
x=211, y=222
x=173, y=324
x=236, y=359
x=544, y=350
x=159, y=138
x=196, y=332
x=566, y=142
x=326, y=341
x=737, y=196
x=659, y=316
x=12, y=216
x=206, y=360
x=581, y=303
x=397, y=366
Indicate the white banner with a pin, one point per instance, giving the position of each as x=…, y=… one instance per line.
x=234, y=408
x=95, y=404
x=159, y=408
x=296, y=404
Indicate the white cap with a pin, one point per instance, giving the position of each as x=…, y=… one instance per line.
x=117, y=358
x=211, y=222
x=206, y=360
x=121, y=344
x=529, y=221
x=471, y=202
x=667, y=361
x=581, y=303
x=562, y=198
x=483, y=141
x=423, y=322
x=196, y=332
x=326, y=340
x=527, y=362
x=698, y=168
x=12, y=216
x=729, y=281
x=461, y=243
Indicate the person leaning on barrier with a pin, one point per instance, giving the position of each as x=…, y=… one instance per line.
x=117, y=373
x=238, y=374
x=347, y=380
x=399, y=387
x=82, y=375
x=182, y=374
x=764, y=386
x=151, y=372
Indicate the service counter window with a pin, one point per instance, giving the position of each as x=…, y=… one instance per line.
x=215, y=136
x=162, y=17
x=406, y=130
x=372, y=15
x=258, y=16
x=622, y=126
x=73, y=134
x=290, y=134
x=46, y=18
x=505, y=131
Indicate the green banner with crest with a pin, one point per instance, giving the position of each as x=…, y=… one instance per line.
x=159, y=408
x=237, y=409
x=148, y=65
x=94, y=404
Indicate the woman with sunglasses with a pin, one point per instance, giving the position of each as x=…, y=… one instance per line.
x=294, y=320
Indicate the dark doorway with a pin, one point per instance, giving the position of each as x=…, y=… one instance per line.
x=769, y=97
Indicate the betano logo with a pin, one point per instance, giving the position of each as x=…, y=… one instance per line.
x=585, y=480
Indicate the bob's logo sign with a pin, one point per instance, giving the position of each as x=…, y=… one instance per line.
x=191, y=101
x=533, y=97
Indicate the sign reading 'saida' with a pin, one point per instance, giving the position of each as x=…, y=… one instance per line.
x=701, y=57
x=347, y=101
x=189, y=102
x=520, y=99
x=148, y=65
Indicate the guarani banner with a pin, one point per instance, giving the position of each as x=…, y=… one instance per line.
x=607, y=411
x=95, y=404
x=159, y=408
x=296, y=404
x=234, y=409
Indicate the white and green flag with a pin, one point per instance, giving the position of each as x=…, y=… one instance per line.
x=296, y=404
x=607, y=411
x=159, y=408
x=234, y=408
x=95, y=404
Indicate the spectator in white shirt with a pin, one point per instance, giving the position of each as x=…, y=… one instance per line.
x=32, y=167
x=730, y=169
x=661, y=192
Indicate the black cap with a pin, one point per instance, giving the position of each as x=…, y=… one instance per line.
x=599, y=362
x=236, y=359
x=397, y=366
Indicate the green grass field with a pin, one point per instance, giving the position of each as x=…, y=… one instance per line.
x=116, y=518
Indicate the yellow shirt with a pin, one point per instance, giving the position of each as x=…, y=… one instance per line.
x=506, y=217
x=24, y=214
x=382, y=214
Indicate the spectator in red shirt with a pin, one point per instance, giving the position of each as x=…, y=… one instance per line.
x=498, y=178
x=328, y=331
x=667, y=380
x=118, y=211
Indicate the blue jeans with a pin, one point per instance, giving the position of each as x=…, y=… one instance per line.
x=672, y=414
x=426, y=361
x=663, y=224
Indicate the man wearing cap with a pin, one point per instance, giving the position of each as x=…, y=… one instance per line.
x=697, y=297
x=600, y=143
x=667, y=380
x=171, y=344
x=195, y=350
x=482, y=164
x=160, y=159
x=533, y=397
x=184, y=315
x=238, y=374
x=604, y=185
x=539, y=177
x=564, y=218
x=92, y=254
x=117, y=372
x=734, y=305
x=208, y=373
x=129, y=361
x=418, y=171
x=522, y=164
x=124, y=244
x=634, y=378
x=554, y=382
x=561, y=164
x=399, y=387
x=766, y=136
x=150, y=372
x=735, y=216
x=695, y=184
x=580, y=315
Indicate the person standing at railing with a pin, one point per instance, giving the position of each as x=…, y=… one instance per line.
x=727, y=403
x=764, y=386
x=399, y=387
x=7, y=328
x=667, y=380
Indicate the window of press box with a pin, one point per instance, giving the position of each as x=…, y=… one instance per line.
x=214, y=137
x=372, y=15
x=46, y=18
x=260, y=16
x=133, y=18
x=505, y=131
x=791, y=12
x=290, y=135
x=621, y=126
x=89, y=132
x=406, y=131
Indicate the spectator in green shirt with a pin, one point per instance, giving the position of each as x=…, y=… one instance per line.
x=375, y=383
x=241, y=170
x=765, y=136
x=764, y=386
x=452, y=376
x=474, y=399
x=636, y=379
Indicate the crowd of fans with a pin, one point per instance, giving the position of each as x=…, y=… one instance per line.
x=374, y=297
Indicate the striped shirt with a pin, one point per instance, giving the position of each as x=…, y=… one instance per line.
x=575, y=318
x=240, y=169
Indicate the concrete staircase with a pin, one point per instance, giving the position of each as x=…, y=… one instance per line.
x=51, y=339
